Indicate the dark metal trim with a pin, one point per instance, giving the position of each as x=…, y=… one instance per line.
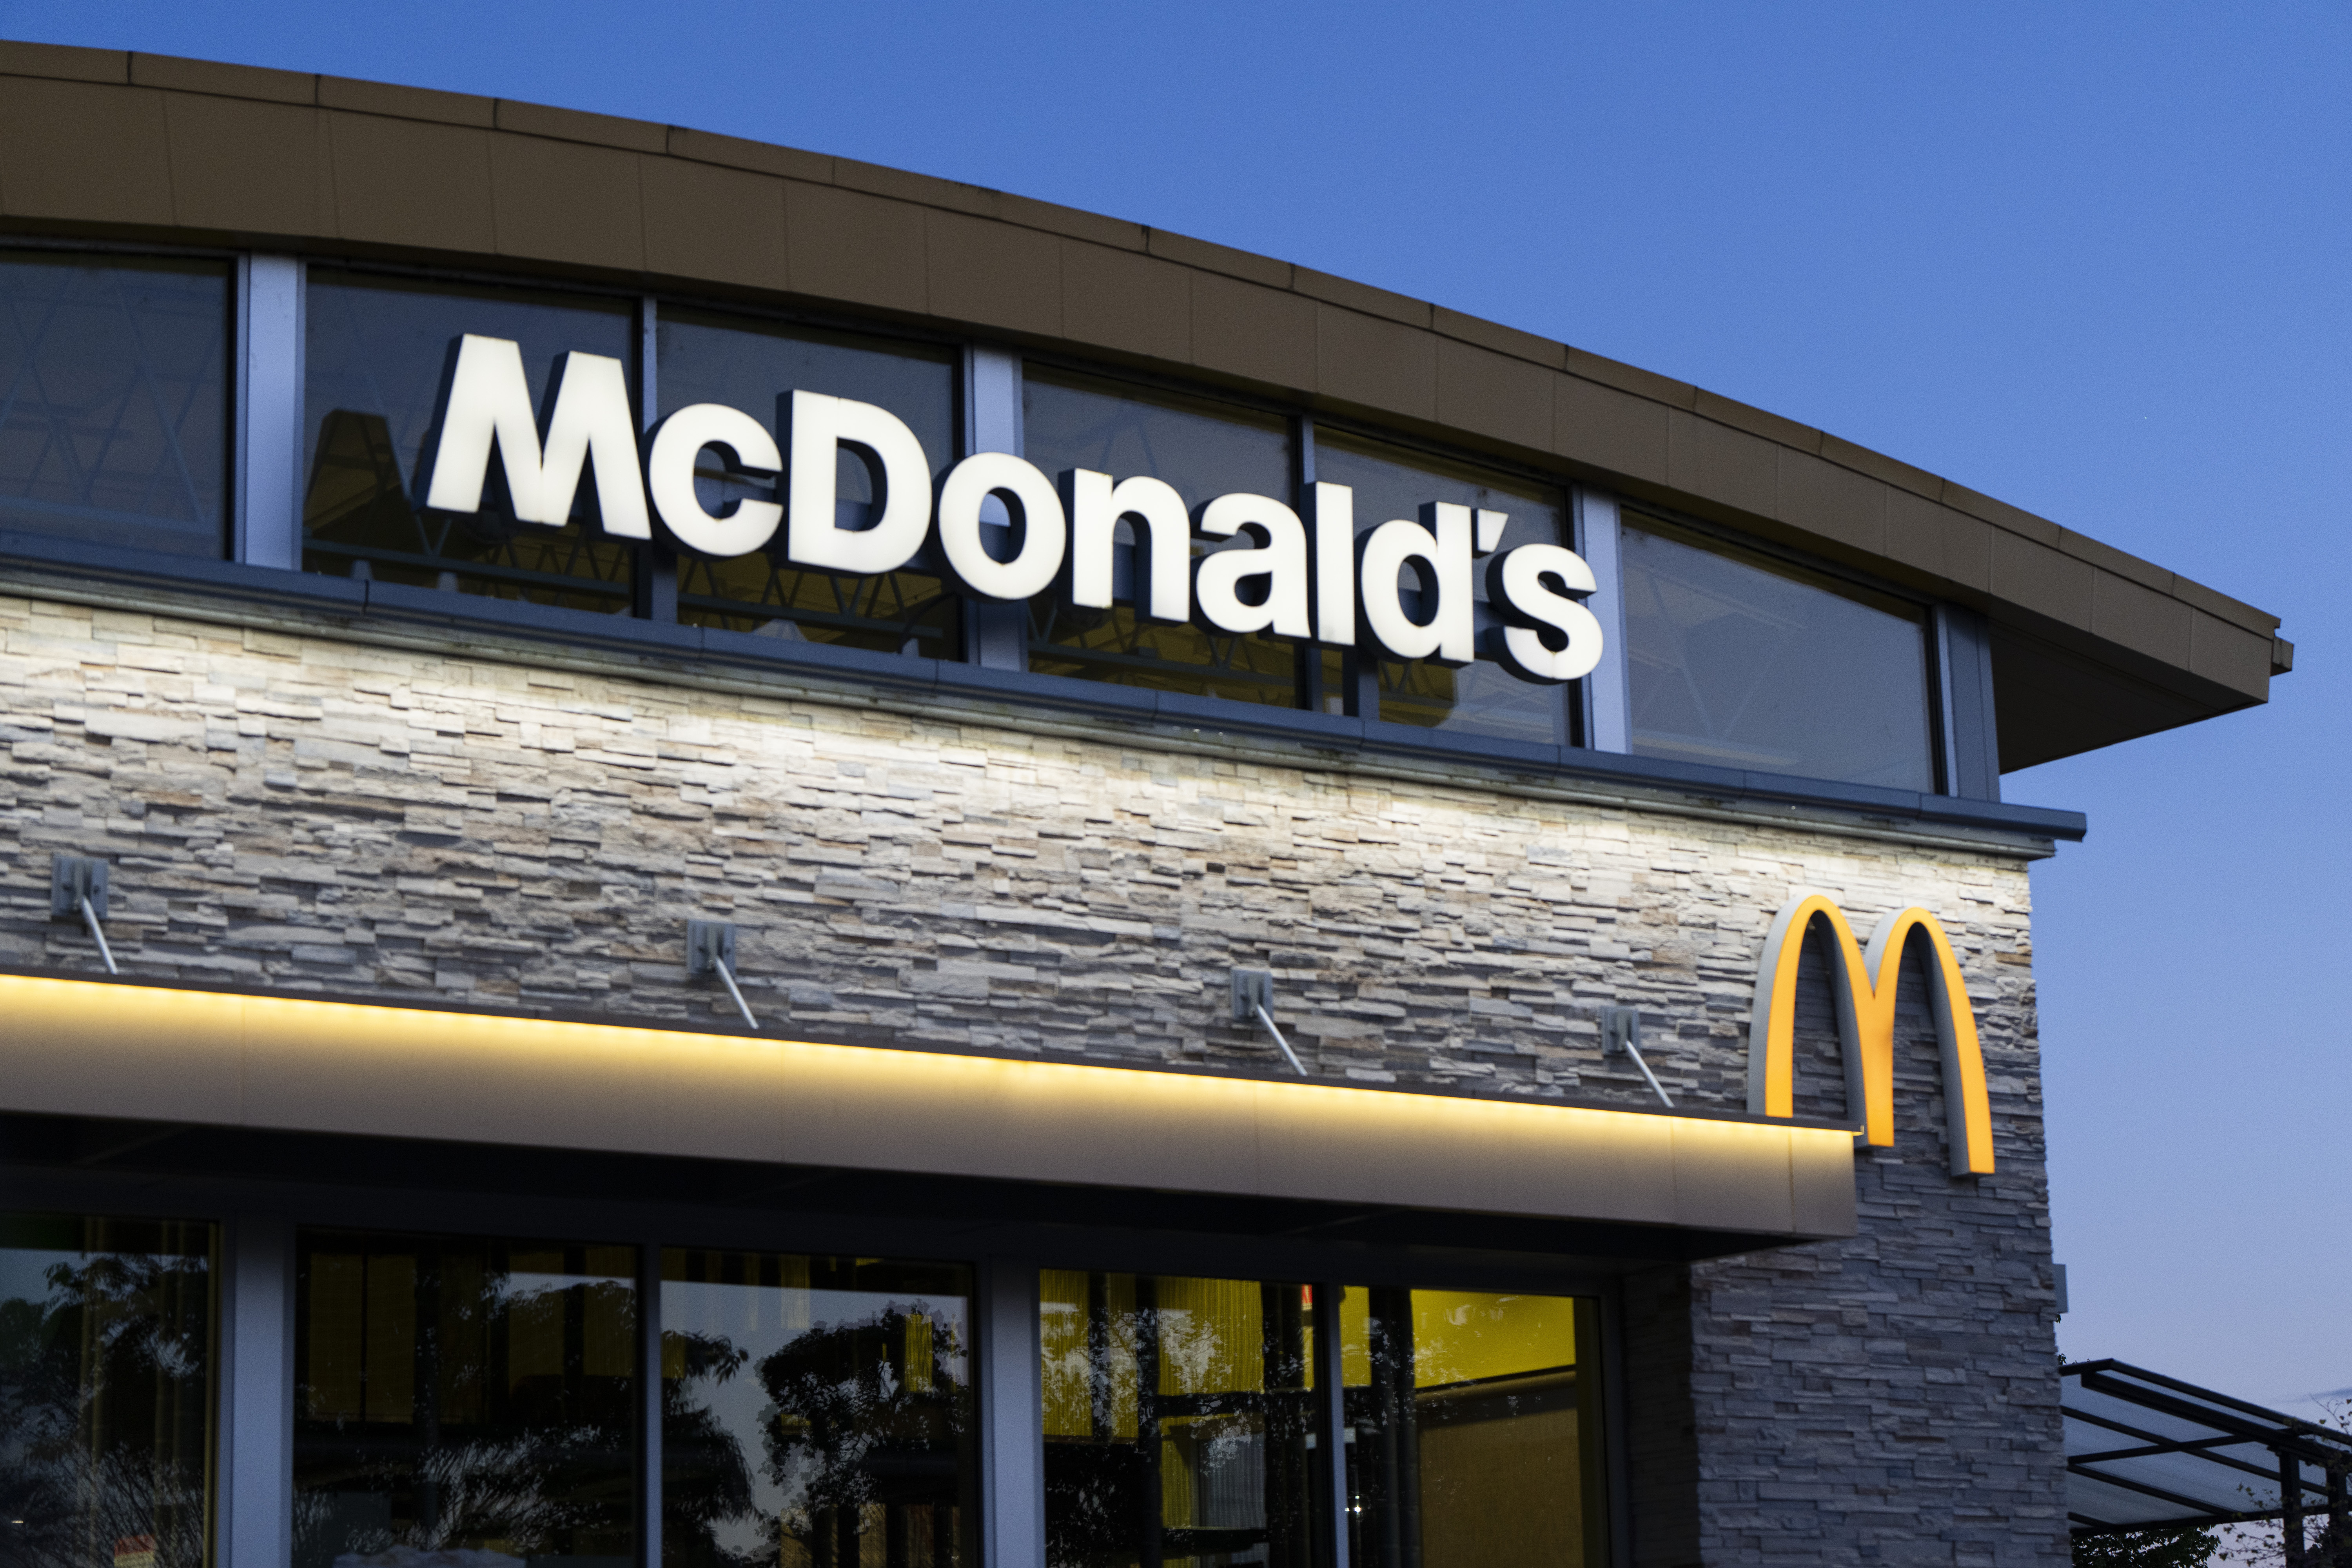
x=1971, y=736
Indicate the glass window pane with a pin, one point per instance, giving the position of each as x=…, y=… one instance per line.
x=462, y=1392
x=1476, y=1430
x=755, y=366
x=1740, y=664
x=817, y=1413
x=106, y=1392
x=1203, y=449
x=1481, y=698
x=1179, y=1422
x=114, y=401
x=375, y=353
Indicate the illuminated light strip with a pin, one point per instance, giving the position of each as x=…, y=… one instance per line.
x=94, y=1049
x=1864, y=986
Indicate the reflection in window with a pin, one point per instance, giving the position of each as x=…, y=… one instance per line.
x=1204, y=450
x=816, y=1413
x=1474, y=1433
x=753, y=365
x=114, y=401
x=1179, y=1422
x=375, y=350
x=106, y=1396
x=457, y=1393
x=1481, y=698
x=1742, y=666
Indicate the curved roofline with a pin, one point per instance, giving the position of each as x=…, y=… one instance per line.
x=2091, y=645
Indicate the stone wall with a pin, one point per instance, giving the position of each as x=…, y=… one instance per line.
x=1894, y=1398
x=290, y=809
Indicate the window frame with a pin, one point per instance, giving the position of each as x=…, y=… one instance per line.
x=1298, y=432
x=1846, y=582
x=521, y=580
x=1361, y=674
x=658, y=598
x=1358, y=690
x=233, y=366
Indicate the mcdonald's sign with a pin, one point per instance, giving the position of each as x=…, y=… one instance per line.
x=1863, y=984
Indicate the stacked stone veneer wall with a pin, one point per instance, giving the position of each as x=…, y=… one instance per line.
x=292, y=810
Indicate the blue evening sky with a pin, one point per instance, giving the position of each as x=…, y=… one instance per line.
x=2089, y=258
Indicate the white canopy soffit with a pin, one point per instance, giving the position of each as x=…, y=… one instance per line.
x=82, y=1047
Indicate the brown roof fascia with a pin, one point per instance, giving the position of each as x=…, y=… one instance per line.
x=424, y=104
x=64, y=62
x=218, y=80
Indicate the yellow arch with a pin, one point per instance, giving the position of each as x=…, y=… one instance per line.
x=1863, y=984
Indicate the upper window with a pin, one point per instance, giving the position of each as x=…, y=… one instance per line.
x=377, y=351
x=753, y=365
x=1742, y=665
x=114, y=401
x=1202, y=449
x=1481, y=698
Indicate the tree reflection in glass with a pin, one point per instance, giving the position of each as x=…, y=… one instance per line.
x=1179, y=1422
x=459, y=1394
x=816, y=1413
x=106, y=1339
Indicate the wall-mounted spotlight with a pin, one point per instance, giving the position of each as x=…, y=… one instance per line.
x=710, y=949
x=1252, y=997
x=78, y=892
x=1621, y=1035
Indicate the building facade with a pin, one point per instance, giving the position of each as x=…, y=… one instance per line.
x=718, y=857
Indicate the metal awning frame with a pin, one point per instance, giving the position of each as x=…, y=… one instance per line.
x=2235, y=1423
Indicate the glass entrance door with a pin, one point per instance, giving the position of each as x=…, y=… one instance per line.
x=1180, y=1423
x=1472, y=1430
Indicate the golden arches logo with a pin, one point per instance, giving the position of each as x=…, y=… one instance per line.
x=1863, y=984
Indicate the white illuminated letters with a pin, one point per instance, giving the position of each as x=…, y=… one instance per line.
x=1332, y=522
x=669, y=479
x=490, y=403
x=1279, y=561
x=1163, y=576
x=1440, y=559
x=901, y=514
x=1520, y=582
x=1036, y=511
x=1314, y=578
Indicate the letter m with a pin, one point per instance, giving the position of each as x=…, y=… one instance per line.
x=1863, y=986
x=488, y=404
